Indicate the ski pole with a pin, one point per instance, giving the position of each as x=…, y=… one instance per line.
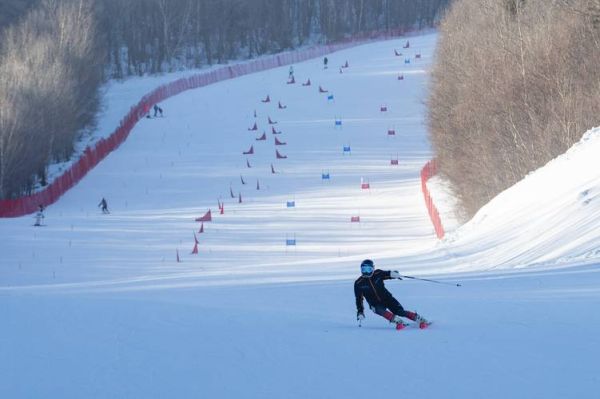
x=431, y=281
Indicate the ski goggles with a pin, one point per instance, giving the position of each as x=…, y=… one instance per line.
x=366, y=269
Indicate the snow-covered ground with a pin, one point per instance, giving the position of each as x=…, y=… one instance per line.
x=97, y=306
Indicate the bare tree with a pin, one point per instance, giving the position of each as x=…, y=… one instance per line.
x=514, y=85
x=51, y=69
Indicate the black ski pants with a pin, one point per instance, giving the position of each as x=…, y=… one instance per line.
x=389, y=303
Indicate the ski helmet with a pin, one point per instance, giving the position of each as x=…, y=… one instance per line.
x=367, y=267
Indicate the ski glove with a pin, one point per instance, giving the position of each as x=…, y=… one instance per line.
x=395, y=274
x=360, y=316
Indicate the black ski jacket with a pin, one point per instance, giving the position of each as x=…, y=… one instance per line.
x=372, y=289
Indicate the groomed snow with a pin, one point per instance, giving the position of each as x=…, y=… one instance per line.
x=96, y=305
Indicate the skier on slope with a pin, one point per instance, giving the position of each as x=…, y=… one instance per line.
x=39, y=215
x=104, y=206
x=371, y=287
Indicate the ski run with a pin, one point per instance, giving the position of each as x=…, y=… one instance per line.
x=260, y=303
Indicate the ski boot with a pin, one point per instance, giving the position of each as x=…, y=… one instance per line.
x=423, y=322
x=420, y=320
x=400, y=324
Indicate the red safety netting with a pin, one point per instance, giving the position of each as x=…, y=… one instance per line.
x=93, y=155
x=429, y=170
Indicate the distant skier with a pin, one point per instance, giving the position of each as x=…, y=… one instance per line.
x=39, y=215
x=104, y=206
x=291, y=73
x=157, y=110
x=325, y=60
x=370, y=287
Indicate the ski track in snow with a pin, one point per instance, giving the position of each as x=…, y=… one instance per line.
x=97, y=306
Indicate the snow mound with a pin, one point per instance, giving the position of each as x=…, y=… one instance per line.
x=550, y=217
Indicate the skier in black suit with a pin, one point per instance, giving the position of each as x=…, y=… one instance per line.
x=370, y=286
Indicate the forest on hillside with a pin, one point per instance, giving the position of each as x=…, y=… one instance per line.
x=165, y=34
x=55, y=55
x=515, y=83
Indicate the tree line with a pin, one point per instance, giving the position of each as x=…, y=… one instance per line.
x=55, y=54
x=514, y=84
x=161, y=35
x=51, y=67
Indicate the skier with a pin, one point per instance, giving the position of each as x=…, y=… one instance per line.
x=104, y=206
x=157, y=110
x=370, y=286
x=39, y=215
x=325, y=63
x=291, y=74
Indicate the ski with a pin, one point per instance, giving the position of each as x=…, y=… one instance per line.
x=422, y=325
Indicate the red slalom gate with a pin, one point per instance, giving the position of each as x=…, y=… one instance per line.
x=94, y=155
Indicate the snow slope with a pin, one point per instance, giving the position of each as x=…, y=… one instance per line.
x=97, y=306
x=560, y=207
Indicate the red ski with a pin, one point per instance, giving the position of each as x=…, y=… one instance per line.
x=422, y=325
